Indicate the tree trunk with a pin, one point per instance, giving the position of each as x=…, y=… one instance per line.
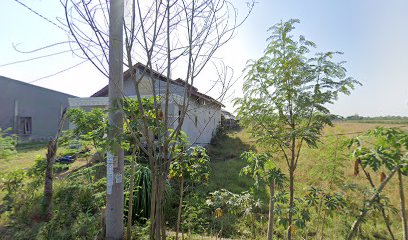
x=52, y=149
x=271, y=208
x=291, y=188
x=386, y=220
x=157, y=229
x=153, y=202
x=323, y=224
x=180, y=207
x=163, y=228
x=403, y=209
x=131, y=189
x=318, y=216
x=373, y=198
x=155, y=214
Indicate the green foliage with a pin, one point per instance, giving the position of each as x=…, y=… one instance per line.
x=141, y=232
x=380, y=119
x=330, y=161
x=228, y=207
x=261, y=168
x=132, y=112
x=328, y=201
x=382, y=147
x=136, y=120
x=191, y=164
x=220, y=134
x=141, y=195
x=316, y=206
x=10, y=184
x=77, y=201
x=89, y=126
x=8, y=143
x=286, y=92
x=75, y=214
x=385, y=148
x=232, y=203
x=196, y=215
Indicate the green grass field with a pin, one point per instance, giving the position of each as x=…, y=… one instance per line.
x=26, y=153
x=313, y=169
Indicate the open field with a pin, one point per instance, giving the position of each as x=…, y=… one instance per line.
x=313, y=169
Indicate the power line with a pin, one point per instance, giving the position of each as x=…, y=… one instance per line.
x=64, y=70
x=49, y=55
x=41, y=16
x=35, y=58
x=40, y=48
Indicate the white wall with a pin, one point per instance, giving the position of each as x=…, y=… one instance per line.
x=208, y=113
x=208, y=118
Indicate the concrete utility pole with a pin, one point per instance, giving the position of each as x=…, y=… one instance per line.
x=115, y=198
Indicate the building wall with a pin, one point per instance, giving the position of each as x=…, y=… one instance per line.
x=208, y=118
x=44, y=106
x=201, y=121
x=208, y=114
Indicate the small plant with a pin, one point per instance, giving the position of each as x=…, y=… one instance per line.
x=387, y=148
x=261, y=168
x=142, y=193
x=227, y=207
x=8, y=143
x=330, y=166
x=10, y=183
x=325, y=204
x=196, y=217
x=189, y=165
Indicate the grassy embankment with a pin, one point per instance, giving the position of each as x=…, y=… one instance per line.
x=313, y=169
x=26, y=155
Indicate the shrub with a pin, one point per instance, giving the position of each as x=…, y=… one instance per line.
x=7, y=143
x=141, y=195
x=229, y=209
x=77, y=202
x=10, y=183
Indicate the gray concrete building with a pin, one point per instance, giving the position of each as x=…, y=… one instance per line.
x=203, y=114
x=32, y=112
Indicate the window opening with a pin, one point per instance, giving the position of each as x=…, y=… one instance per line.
x=25, y=125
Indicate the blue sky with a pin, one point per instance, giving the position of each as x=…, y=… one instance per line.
x=372, y=34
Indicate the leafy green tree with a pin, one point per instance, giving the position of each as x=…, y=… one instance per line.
x=286, y=94
x=386, y=147
x=132, y=138
x=89, y=126
x=261, y=168
x=190, y=164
